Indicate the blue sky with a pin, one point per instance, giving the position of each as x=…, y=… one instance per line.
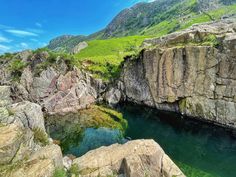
x=29, y=24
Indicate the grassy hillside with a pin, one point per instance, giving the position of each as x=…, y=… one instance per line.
x=103, y=57
x=190, y=18
x=157, y=18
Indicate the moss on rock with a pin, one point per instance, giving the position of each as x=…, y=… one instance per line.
x=100, y=116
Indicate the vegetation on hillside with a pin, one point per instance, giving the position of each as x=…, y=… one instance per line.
x=189, y=18
x=103, y=57
x=157, y=18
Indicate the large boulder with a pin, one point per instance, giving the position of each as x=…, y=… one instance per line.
x=134, y=159
x=42, y=163
x=52, y=152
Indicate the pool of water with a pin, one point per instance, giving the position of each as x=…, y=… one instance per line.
x=198, y=148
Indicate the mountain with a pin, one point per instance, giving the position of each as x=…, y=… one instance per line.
x=156, y=18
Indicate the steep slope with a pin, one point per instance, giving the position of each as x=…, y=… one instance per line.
x=65, y=42
x=157, y=18
x=141, y=17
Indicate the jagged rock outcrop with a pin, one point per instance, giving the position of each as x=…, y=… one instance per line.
x=134, y=159
x=59, y=92
x=192, y=72
x=57, y=86
x=25, y=149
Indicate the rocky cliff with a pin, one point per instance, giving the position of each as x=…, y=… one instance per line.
x=192, y=72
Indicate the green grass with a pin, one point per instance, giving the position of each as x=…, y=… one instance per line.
x=16, y=67
x=59, y=173
x=40, y=136
x=103, y=57
x=171, y=23
x=100, y=116
x=162, y=28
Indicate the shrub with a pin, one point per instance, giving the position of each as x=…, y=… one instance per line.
x=74, y=170
x=16, y=67
x=59, y=173
x=40, y=136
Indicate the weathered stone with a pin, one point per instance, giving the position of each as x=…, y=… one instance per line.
x=5, y=95
x=41, y=163
x=10, y=141
x=73, y=92
x=27, y=78
x=30, y=114
x=135, y=159
x=67, y=162
x=52, y=152
x=113, y=96
x=42, y=86
x=4, y=114
x=36, y=168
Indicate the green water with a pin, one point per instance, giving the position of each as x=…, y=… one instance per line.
x=199, y=149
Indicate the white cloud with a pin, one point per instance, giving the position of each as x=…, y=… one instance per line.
x=4, y=48
x=24, y=45
x=4, y=39
x=38, y=24
x=136, y=1
x=21, y=33
x=36, y=31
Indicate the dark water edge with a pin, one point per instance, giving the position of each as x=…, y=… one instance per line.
x=199, y=148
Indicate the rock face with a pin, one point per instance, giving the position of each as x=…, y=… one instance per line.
x=192, y=72
x=24, y=146
x=59, y=92
x=79, y=47
x=134, y=159
x=10, y=140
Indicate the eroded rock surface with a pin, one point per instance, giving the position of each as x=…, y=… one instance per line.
x=25, y=149
x=57, y=92
x=192, y=72
x=134, y=159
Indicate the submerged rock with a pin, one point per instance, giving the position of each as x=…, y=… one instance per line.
x=88, y=129
x=135, y=159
